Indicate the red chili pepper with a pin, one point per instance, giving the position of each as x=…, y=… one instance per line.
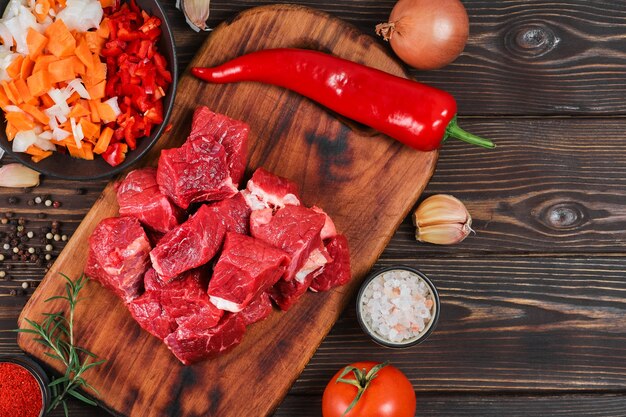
x=415, y=114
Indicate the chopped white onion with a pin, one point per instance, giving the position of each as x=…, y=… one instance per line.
x=23, y=139
x=11, y=108
x=81, y=15
x=47, y=135
x=59, y=134
x=45, y=145
x=76, y=85
x=77, y=131
x=112, y=102
x=1, y=153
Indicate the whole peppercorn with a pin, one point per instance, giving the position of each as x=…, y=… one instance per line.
x=38, y=200
x=15, y=257
x=13, y=200
x=56, y=224
x=48, y=203
x=56, y=204
x=3, y=274
x=4, y=220
x=31, y=202
x=21, y=221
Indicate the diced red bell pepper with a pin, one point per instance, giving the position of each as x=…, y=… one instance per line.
x=115, y=153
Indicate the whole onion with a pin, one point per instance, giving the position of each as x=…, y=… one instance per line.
x=426, y=34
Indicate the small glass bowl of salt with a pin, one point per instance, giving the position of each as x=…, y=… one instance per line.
x=398, y=307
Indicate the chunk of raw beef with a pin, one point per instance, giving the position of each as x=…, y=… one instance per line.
x=329, y=229
x=164, y=305
x=294, y=229
x=139, y=196
x=337, y=272
x=189, y=245
x=231, y=133
x=286, y=293
x=234, y=214
x=257, y=310
x=246, y=268
x=119, y=256
x=195, y=172
x=195, y=339
x=266, y=190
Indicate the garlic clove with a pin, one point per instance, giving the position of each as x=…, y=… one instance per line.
x=196, y=13
x=443, y=234
x=442, y=219
x=18, y=176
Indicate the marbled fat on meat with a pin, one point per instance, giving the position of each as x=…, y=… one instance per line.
x=267, y=190
x=231, y=133
x=189, y=245
x=139, y=196
x=234, y=214
x=195, y=172
x=246, y=268
x=119, y=256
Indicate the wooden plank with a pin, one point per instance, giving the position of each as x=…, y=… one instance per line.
x=292, y=137
x=527, y=57
x=551, y=186
x=507, y=323
x=613, y=405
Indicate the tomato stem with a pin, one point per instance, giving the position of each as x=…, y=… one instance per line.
x=361, y=381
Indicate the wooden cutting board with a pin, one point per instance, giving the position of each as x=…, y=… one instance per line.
x=365, y=181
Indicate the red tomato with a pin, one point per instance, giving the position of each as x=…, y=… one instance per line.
x=389, y=394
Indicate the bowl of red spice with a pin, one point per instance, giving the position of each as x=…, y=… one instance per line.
x=88, y=92
x=24, y=388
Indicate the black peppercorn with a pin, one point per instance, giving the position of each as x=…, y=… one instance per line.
x=21, y=221
x=56, y=224
x=15, y=257
x=39, y=262
x=13, y=200
x=33, y=258
x=31, y=202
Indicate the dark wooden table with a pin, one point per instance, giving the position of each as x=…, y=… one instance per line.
x=533, y=319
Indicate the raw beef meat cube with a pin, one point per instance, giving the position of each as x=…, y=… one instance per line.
x=294, y=229
x=189, y=245
x=329, y=229
x=257, y=310
x=195, y=172
x=231, y=133
x=246, y=268
x=337, y=272
x=266, y=190
x=286, y=293
x=234, y=214
x=118, y=256
x=164, y=305
x=316, y=260
x=139, y=196
x=195, y=339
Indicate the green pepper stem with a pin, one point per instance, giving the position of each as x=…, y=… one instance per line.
x=453, y=130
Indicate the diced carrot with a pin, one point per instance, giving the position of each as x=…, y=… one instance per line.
x=87, y=151
x=93, y=108
x=39, y=84
x=90, y=130
x=41, y=9
x=61, y=3
x=41, y=157
x=20, y=120
x=78, y=66
x=107, y=3
x=22, y=89
x=97, y=91
x=94, y=42
x=36, y=43
x=75, y=151
x=62, y=70
x=27, y=68
x=105, y=30
x=73, y=98
x=14, y=68
x=42, y=62
x=40, y=116
x=78, y=111
x=103, y=140
x=84, y=54
x=11, y=131
x=61, y=42
x=34, y=150
x=8, y=92
x=46, y=100
x=4, y=100
x=15, y=92
x=99, y=68
x=106, y=113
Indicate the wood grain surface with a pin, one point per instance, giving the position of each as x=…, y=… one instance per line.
x=347, y=173
x=549, y=202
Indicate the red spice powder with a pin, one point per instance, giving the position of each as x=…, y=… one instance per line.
x=20, y=394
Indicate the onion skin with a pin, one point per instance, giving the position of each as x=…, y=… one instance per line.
x=426, y=34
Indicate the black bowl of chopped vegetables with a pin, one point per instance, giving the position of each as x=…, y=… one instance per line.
x=135, y=43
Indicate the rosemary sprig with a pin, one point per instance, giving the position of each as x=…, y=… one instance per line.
x=56, y=333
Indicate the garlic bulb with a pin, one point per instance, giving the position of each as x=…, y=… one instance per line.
x=18, y=176
x=442, y=219
x=196, y=13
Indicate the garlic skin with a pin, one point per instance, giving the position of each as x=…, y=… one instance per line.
x=442, y=220
x=196, y=13
x=18, y=176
